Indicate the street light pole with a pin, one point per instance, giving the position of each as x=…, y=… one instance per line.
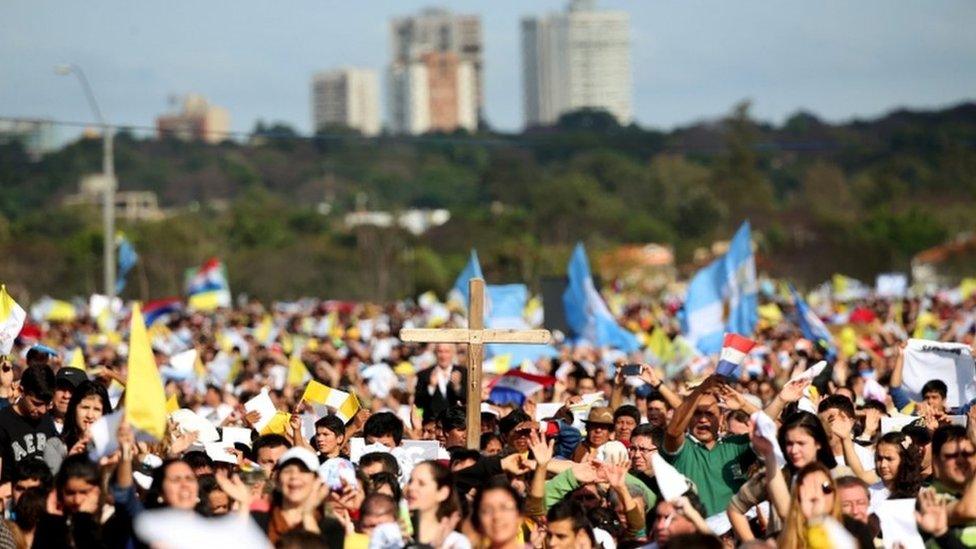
x=108, y=171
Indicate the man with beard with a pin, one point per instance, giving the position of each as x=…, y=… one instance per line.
x=693, y=446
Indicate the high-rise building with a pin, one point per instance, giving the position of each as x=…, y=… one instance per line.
x=38, y=137
x=348, y=98
x=434, y=93
x=576, y=59
x=196, y=120
x=444, y=50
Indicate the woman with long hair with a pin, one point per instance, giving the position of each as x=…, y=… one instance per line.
x=814, y=496
x=89, y=402
x=803, y=441
x=174, y=485
x=431, y=495
x=897, y=468
x=85, y=519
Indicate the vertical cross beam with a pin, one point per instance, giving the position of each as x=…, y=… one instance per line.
x=476, y=358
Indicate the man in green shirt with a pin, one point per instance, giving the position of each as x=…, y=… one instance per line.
x=716, y=465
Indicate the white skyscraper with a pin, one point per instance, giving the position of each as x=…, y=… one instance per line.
x=347, y=97
x=435, y=75
x=575, y=59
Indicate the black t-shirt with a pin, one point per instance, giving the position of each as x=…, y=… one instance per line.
x=22, y=438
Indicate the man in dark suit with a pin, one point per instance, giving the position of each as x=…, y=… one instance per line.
x=442, y=385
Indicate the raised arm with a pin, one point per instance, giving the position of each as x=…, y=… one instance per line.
x=791, y=392
x=896, y=374
x=649, y=375
x=776, y=487
x=842, y=427
x=674, y=438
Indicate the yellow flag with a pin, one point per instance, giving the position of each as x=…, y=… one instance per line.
x=659, y=344
x=277, y=424
x=198, y=368
x=319, y=396
x=297, y=372
x=967, y=287
x=61, y=311
x=145, y=399
x=78, y=360
x=499, y=364
x=848, y=341
x=841, y=283
x=263, y=331
x=172, y=404
x=316, y=392
x=771, y=312
x=924, y=321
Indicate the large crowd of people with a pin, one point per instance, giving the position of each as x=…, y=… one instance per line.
x=785, y=451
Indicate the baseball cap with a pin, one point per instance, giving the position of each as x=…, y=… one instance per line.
x=300, y=454
x=72, y=377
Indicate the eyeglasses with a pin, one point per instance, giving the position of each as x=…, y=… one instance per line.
x=635, y=449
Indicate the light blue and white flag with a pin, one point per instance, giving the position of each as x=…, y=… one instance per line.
x=127, y=259
x=722, y=296
x=471, y=270
x=505, y=309
x=810, y=324
x=586, y=313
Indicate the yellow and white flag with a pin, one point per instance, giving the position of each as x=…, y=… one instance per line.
x=297, y=372
x=145, y=398
x=78, y=360
x=319, y=396
x=12, y=318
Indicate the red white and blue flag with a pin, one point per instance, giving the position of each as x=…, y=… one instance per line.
x=157, y=309
x=734, y=350
x=516, y=386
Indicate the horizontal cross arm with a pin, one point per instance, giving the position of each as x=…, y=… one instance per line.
x=430, y=335
x=532, y=337
x=465, y=335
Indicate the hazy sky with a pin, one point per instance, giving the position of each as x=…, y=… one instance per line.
x=691, y=59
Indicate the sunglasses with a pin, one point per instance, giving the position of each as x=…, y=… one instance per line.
x=523, y=432
x=827, y=488
x=6, y=368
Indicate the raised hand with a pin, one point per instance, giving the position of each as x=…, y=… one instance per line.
x=586, y=472
x=649, y=376
x=841, y=425
x=517, y=464
x=731, y=398
x=793, y=390
x=541, y=451
x=235, y=488
x=933, y=514
x=616, y=473
x=180, y=441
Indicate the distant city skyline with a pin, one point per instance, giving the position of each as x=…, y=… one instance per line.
x=690, y=61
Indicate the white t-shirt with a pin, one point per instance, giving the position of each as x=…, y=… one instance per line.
x=866, y=455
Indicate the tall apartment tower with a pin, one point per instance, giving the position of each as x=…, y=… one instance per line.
x=436, y=72
x=347, y=97
x=575, y=59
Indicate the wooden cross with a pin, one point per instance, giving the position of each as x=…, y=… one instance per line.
x=476, y=336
